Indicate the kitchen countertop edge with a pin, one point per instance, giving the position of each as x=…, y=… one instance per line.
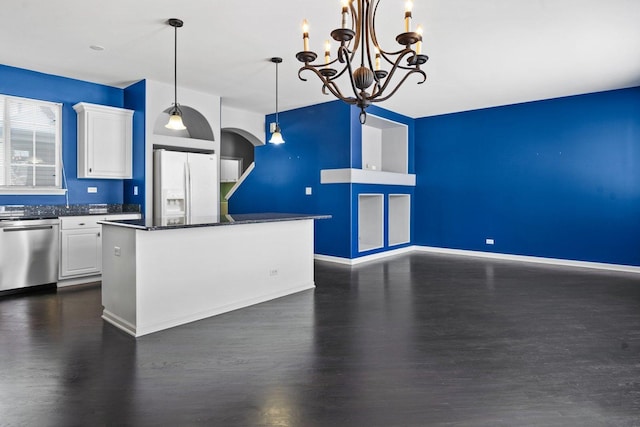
x=238, y=219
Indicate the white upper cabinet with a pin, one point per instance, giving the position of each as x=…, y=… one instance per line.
x=105, y=137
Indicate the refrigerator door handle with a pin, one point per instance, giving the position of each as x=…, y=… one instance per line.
x=187, y=184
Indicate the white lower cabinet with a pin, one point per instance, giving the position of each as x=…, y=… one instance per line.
x=81, y=247
x=80, y=252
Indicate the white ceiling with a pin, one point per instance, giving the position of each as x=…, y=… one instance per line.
x=483, y=52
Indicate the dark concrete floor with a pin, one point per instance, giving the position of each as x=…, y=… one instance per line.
x=416, y=340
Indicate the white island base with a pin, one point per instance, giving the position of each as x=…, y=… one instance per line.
x=154, y=279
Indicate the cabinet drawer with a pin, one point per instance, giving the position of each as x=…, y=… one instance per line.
x=91, y=221
x=80, y=222
x=117, y=217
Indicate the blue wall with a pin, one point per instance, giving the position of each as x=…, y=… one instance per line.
x=135, y=99
x=46, y=87
x=322, y=136
x=557, y=178
x=316, y=137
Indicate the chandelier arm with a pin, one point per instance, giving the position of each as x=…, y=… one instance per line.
x=400, y=83
x=396, y=66
x=358, y=21
x=351, y=80
x=365, y=35
x=335, y=90
x=383, y=53
x=326, y=83
x=343, y=52
x=344, y=69
x=374, y=37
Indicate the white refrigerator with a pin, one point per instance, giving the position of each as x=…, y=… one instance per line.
x=185, y=185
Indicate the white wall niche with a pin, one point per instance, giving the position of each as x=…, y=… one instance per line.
x=399, y=229
x=370, y=222
x=385, y=145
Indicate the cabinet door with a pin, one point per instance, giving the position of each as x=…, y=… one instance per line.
x=81, y=253
x=108, y=145
x=104, y=141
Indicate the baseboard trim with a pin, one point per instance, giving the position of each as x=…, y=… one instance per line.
x=478, y=254
x=363, y=259
x=531, y=259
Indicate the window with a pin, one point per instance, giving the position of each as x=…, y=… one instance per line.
x=30, y=146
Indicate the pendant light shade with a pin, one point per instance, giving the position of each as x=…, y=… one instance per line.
x=175, y=120
x=175, y=114
x=276, y=136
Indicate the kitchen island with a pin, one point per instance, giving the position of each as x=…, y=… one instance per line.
x=166, y=272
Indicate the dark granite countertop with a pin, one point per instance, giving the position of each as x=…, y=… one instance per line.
x=170, y=223
x=30, y=212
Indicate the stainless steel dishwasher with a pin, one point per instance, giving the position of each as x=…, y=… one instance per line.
x=28, y=252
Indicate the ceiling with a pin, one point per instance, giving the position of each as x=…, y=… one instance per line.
x=482, y=53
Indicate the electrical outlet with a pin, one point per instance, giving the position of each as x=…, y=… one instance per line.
x=273, y=272
x=116, y=250
x=489, y=241
x=92, y=189
x=307, y=191
x=135, y=190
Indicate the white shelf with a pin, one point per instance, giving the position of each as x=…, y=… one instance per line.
x=360, y=176
x=399, y=219
x=370, y=222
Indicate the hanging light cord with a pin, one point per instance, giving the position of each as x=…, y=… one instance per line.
x=175, y=67
x=277, y=121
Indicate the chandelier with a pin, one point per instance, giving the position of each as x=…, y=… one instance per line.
x=358, y=42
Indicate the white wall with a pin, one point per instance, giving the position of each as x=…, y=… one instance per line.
x=246, y=123
x=159, y=96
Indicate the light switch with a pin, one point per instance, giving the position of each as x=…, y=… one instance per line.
x=135, y=190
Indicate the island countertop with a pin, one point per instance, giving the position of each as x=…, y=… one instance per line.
x=169, y=223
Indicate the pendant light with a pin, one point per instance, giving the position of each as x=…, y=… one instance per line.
x=175, y=114
x=276, y=136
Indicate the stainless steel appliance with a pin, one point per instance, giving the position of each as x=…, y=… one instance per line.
x=28, y=253
x=185, y=185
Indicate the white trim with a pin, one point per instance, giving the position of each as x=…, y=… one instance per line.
x=240, y=181
x=531, y=259
x=363, y=259
x=363, y=176
x=119, y=322
x=32, y=191
x=63, y=283
x=489, y=255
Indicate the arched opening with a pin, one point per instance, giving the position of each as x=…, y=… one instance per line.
x=236, y=160
x=197, y=126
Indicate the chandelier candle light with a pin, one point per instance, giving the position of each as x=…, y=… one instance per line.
x=360, y=37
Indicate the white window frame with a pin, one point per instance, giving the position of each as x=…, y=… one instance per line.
x=6, y=138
